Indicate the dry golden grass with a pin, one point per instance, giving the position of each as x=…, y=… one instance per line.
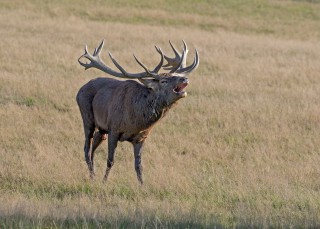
x=241, y=150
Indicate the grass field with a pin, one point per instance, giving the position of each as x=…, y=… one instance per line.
x=242, y=150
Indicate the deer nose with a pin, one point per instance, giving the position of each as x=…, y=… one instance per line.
x=184, y=80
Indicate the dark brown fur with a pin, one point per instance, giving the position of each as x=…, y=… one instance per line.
x=126, y=111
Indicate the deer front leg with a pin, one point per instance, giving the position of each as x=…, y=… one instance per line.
x=137, y=147
x=112, y=145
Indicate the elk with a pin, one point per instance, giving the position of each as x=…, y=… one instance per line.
x=128, y=110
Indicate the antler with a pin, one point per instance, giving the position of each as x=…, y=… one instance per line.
x=178, y=63
x=175, y=65
x=96, y=62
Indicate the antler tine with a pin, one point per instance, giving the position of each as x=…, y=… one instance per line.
x=97, y=51
x=191, y=67
x=174, y=50
x=175, y=61
x=185, y=48
x=142, y=65
x=172, y=61
x=86, y=55
x=117, y=64
x=150, y=74
x=85, y=50
x=174, y=69
x=156, y=70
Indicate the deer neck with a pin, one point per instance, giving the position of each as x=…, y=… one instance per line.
x=157, y=107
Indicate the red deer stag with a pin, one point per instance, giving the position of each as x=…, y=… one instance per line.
x=128, y=110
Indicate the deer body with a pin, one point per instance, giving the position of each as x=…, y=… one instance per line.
x=138, y=109
x=127, y=110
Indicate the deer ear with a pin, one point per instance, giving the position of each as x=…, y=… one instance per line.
x=150, y=83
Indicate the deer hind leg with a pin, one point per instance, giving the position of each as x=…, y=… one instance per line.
x=85, y=108
x=137, y=160
x=89, y=130
x=98, y=137
x=112, y=145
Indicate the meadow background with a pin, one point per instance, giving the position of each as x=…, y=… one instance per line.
x=242, y=150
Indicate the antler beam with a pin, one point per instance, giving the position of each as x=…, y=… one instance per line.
x=97, y=62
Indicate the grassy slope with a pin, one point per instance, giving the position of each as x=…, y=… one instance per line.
x=242, y=149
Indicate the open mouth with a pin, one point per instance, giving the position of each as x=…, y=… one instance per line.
x=179, y=89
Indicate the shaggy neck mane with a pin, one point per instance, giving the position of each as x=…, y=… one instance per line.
x=153, y=107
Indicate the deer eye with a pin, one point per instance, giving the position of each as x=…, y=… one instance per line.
x=164, y=82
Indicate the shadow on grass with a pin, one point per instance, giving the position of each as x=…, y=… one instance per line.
x=20, y=221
